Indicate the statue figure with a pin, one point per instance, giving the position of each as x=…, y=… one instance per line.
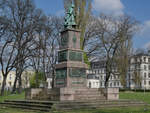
x=70, y=18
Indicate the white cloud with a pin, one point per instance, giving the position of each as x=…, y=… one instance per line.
x=145, y=29
x=109, y=6
x=147, y=45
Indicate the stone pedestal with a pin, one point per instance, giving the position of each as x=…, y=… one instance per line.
x=71, y=69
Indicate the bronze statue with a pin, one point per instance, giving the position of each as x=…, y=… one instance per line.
x=70, y=17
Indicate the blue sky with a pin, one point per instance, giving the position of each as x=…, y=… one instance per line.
x=139, y=9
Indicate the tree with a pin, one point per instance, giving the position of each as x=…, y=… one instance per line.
x=7, y=48
x=22, y=17
x=44, y=57
x=110, y=35
x=122, y=59
x=7, y=57
x=137, y=79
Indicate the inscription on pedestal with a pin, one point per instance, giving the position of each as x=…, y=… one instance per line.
x=75, y=56
x=61, y=73
x=77, y=72
x=62, y=56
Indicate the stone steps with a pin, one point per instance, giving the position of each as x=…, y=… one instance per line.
x=98, y=104
x=27, y=104
x=101, y=101
x=31, y=101
x=94, y=106
x=69, y=105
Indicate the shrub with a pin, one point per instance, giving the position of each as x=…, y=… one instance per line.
x=37, y=79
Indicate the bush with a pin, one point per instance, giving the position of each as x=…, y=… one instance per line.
x=40, y=79
x=86, y=59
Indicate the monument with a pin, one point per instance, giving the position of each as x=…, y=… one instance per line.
x=71, y=69
x=70, y=77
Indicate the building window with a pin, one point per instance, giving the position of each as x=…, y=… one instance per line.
x=118, y=84
x=149, y=82
x=0, y=84
x=104, y=71
x=101, y=84
x=114, y=83
x=144, y=75
x=145, y=68
x=114, y=76
x=98, y=71
x=149, y=75
x=144, y=82
x=104, y=77
x=149, y=67
x=110, y=84
x=101, y=77
x=144, y=59
x=89, y=84
x=149, y=60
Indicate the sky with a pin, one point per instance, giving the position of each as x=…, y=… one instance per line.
x=138, y=9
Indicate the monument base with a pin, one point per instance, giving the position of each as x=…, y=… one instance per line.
x=72, y=94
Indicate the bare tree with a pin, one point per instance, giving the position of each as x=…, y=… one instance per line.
x=110, y=35
x=137, y=78
x=47, y=43
x=23, y=19
x=7, y=57
x=123, y=55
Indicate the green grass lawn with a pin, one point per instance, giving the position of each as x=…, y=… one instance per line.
x=123, y=95
x=108, y=110
x=145, y=97
x=12, y=97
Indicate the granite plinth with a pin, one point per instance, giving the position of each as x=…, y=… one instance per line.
x=73, y=94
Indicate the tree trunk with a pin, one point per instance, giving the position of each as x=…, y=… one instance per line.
x=14, y=86
x=53, y=77
x=3, y=85
x=20, y=85
x=36, y=77
x=107, y=75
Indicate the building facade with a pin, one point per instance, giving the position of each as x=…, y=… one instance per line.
x=98, y=69
x=11, y=78
x=139, y=72
x=93, y=81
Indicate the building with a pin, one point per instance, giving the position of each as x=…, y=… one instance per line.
x=98, y=69
x=93, y=81
x=11, y=78
x=140, y=65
